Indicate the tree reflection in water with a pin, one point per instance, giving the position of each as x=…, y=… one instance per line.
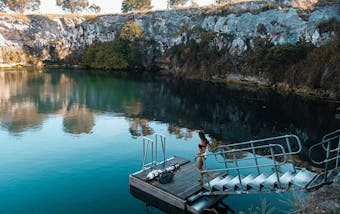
x=227, y=113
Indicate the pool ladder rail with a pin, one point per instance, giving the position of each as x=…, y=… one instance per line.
x=285, y=176
x=153, y=145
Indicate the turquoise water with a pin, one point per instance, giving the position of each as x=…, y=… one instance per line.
x=70, y=139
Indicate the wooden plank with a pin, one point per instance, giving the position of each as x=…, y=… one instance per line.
x=157, y=193
x=185, y=181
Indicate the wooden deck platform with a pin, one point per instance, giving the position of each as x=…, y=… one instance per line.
x=172, y=197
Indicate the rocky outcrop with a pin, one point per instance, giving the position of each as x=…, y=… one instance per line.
x=53, y=39
x=324, y=200
x=233, y=31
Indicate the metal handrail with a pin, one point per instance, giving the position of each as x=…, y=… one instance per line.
x=328, y=139
x=233, y=151
x=159, y=139
x=328, y=150
x=269, y=139
x=253, y=143
x=327, y=136
x=238, y=168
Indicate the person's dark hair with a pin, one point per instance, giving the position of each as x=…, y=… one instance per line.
x=202, y=136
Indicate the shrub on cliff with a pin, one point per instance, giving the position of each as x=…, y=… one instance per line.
x=108, y=55
x=126, y=51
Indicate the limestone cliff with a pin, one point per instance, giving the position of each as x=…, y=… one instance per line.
x=43, y=39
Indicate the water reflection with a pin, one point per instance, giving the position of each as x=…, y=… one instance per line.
x=226, y=113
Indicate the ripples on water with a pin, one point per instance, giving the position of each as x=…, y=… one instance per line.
x=69, y=139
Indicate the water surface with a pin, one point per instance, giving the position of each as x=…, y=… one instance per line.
x=70, y=139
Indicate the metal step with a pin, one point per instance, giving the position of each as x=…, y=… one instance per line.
x=257, y=183
x=246, y=181
x=271, y=182
x=213, y=182
x=220, y=186
x=303, y=178
x=286, y=179
x=234, y=183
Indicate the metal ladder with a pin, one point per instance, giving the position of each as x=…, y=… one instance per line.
x=277, y=151
x=152, y=145
x=330, y=145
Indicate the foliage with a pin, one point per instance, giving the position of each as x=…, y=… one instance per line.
x=104, y=56
x=94, y=8
x=130, y=31
x=20, y=5
x=275, y=60
x=221, y=2
x=299, y=66
x=268, y=6
x=175, y=3
x=2, y=6
x=130, y=5
x=124, y=52
x=75, y=6
x=199, y=59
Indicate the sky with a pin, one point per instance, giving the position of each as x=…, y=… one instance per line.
x=110, y=6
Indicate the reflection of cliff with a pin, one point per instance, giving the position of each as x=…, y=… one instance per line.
x=16, y=112
x=140, y=127
x=26, y=98
x=16, y=117
x=236, y=114
x=226, y=113
x=78, y=119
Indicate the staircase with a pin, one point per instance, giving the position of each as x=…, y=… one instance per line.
x=261, y=183
x=272, y=159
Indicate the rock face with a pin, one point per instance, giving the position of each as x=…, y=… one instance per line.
x=219, y=44
x=58, y=39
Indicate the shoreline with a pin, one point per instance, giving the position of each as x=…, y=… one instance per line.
x=245, y=82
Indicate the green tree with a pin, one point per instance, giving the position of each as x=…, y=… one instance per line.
x=75, y=6
x=176, y=3
x=94, y=8
x=121, y=53
x=130, y=5
x=221, y=2
x=2, y=6
x=130, y=31
x=20, y=5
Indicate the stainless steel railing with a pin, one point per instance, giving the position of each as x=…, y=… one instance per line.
x=149, y=144
x=291, y=142
x=330, y=144
x=275, y=150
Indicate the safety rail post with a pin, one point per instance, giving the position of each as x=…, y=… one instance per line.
x=326, y=164
x=275, y=164
x=290, y=154
x=146, y=142
x=154, y=150
x=225, y=158
x=206, y=173
x=163, y=144
x=237, y=168
x=337, y=154
x=255, y=157
x=152, y=154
